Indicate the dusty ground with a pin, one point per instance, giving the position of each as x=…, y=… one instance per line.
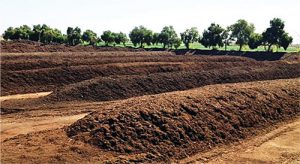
x=280, y=145
x=241, y=122
x=24, y=96
x=39, y=132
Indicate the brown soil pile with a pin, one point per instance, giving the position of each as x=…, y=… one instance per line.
x=121, y=87
x=47, y=79
x=17, y=62
x=178, y=124
x=30, y=46
x=37, y=72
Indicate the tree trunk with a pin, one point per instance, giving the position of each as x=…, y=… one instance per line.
x=39, y=37
x=141, y=45
x=187, y=46
x=269, y=47
x=241, y=46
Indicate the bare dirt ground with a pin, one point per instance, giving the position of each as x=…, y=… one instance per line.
x=13, y=127
x=115, y=105
x=280, y=145
x=39, y=135
x=24, y=96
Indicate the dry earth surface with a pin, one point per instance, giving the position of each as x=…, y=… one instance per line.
x=62, y=104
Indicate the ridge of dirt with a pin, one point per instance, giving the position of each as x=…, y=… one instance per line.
x=121, y=87
x=174, y=125
x=46, y=79
x=11, y=62
x=22, y=46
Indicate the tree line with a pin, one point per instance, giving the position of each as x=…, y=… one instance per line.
x=240, y=33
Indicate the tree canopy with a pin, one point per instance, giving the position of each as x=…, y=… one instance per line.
x=90, y=37
x=74, y=35
x=275, y=35
x=121, y=38
x=241, y=32
x=255, y=40
x=213, y=37
x=141, y=35
x=189, y=36
x=168, y=36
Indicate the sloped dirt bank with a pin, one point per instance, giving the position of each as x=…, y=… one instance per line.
x=174, y=125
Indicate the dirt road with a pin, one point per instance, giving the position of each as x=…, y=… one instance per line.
x=281, y=145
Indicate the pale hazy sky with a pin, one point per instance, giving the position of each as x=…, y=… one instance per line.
x=123, y=15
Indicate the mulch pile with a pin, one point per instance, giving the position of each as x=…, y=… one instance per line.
x=174, y=125
x=121, y=87
x=30, y=46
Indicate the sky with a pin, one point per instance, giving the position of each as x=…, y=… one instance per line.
x=124, y=15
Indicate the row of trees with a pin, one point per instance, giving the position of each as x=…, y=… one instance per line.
x=40, y=33
x=167, y=37
x=241, y=33
x=46, y=34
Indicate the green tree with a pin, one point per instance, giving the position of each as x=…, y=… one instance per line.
x=285, y=41
x=36, y=33
x=58, y=37
x=176, y=42
x=9, y=33
x=241, y=32
x=275, y=35
x=213, y=37
x=108, y=37
x=46, y=34
x=255, y=40
x=121, y=38
x=189, y=36
x=90, y=37
x=226, y=36
x=141, y=35
x=73, y=36
x=22, y=32
x=167, y=36
x=155, y=38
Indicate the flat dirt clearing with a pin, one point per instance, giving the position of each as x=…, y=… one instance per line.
x=121, y=105
x=281, y=145
x=13, y=127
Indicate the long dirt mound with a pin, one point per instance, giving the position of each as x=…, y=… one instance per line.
x=47, y=79
x=17, y=62
x=30, y=46
x=174, y=125
x=121, y=87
